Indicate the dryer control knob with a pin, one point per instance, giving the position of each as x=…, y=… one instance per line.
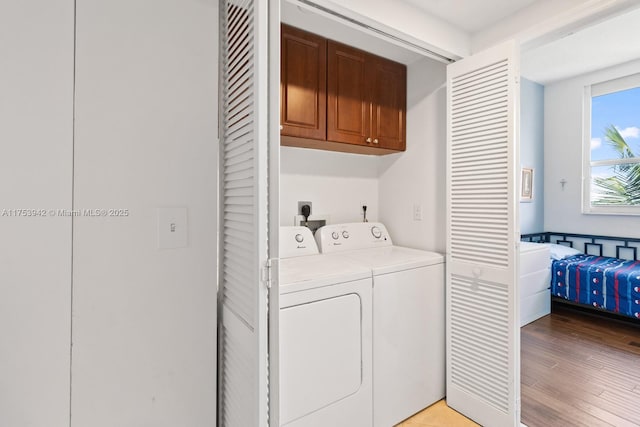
x=335, y=235
x=345, y=234
x=299, y=238
x=375, y=230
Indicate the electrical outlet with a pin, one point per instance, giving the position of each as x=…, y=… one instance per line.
x=301, y=204
x=417, y=212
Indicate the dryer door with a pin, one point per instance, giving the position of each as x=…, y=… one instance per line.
x=320, y=355
x=325, y=358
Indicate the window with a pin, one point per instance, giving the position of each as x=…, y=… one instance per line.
x=612, y=147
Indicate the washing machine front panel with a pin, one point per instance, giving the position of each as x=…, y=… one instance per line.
x=408, y=342
x=408, y=318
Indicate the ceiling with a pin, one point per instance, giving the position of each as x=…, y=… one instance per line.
x=608, y=43
x=594, y=46
x=471, y=15
x=327, y=27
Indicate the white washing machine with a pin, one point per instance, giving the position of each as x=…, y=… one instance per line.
x=408, y=317
x=325, y=336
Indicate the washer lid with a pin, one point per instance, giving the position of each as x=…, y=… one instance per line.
x=314, y=271
x=391, y=259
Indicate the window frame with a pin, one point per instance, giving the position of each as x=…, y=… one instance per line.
x=597, y=89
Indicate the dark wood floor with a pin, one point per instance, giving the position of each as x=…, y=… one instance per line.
x=580, y=370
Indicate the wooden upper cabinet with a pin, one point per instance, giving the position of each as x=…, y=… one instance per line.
x=336, y=97
x=388, y=89
x=348, y=114
x=366, y=101
x=303, y=84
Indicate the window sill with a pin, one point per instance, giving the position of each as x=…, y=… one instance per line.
x=606, y=210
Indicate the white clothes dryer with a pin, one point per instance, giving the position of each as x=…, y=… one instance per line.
x=408, y=317
x=325, y=336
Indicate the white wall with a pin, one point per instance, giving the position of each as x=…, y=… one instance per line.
x=563, y=159
x=418, y=175
x=335, y=183
x=36, y=130
x=144, y=319
x=532, y=153
x=406, y=22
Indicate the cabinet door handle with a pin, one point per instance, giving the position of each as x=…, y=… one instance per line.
x=375, y=141
x=369, y=140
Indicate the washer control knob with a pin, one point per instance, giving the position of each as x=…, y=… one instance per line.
x=345, y=234
x=375, y=230
x=335, y=235
x=299, y=238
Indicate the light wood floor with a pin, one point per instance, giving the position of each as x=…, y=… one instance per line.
x=438, y=415
x=580, y=370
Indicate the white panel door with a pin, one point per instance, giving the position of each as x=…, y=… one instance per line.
x=244, y=220
x=483, y=337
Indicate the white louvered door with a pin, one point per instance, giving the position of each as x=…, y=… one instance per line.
x=244, y=218
x=483, y=334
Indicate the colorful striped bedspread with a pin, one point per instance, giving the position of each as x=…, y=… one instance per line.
x=608, y=283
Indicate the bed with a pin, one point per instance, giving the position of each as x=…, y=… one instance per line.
x=611, y=284
x=591, y=277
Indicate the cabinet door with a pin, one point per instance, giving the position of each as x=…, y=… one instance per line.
x=303, y=84
x=388, y=88
x=348, y=106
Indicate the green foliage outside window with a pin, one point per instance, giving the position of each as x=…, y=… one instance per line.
x=622, y=187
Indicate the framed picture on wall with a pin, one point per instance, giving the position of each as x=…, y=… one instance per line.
x=526, y=190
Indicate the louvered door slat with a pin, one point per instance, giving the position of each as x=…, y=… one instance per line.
x=486, y=83
x=482, y=336
x=478, y=113
x=472, y=77
x=243, y=382
x=483, y=104
x=493, y=93
x=487, y=329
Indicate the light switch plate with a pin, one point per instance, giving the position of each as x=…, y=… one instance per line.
x=172, y=228
x=417, y=212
